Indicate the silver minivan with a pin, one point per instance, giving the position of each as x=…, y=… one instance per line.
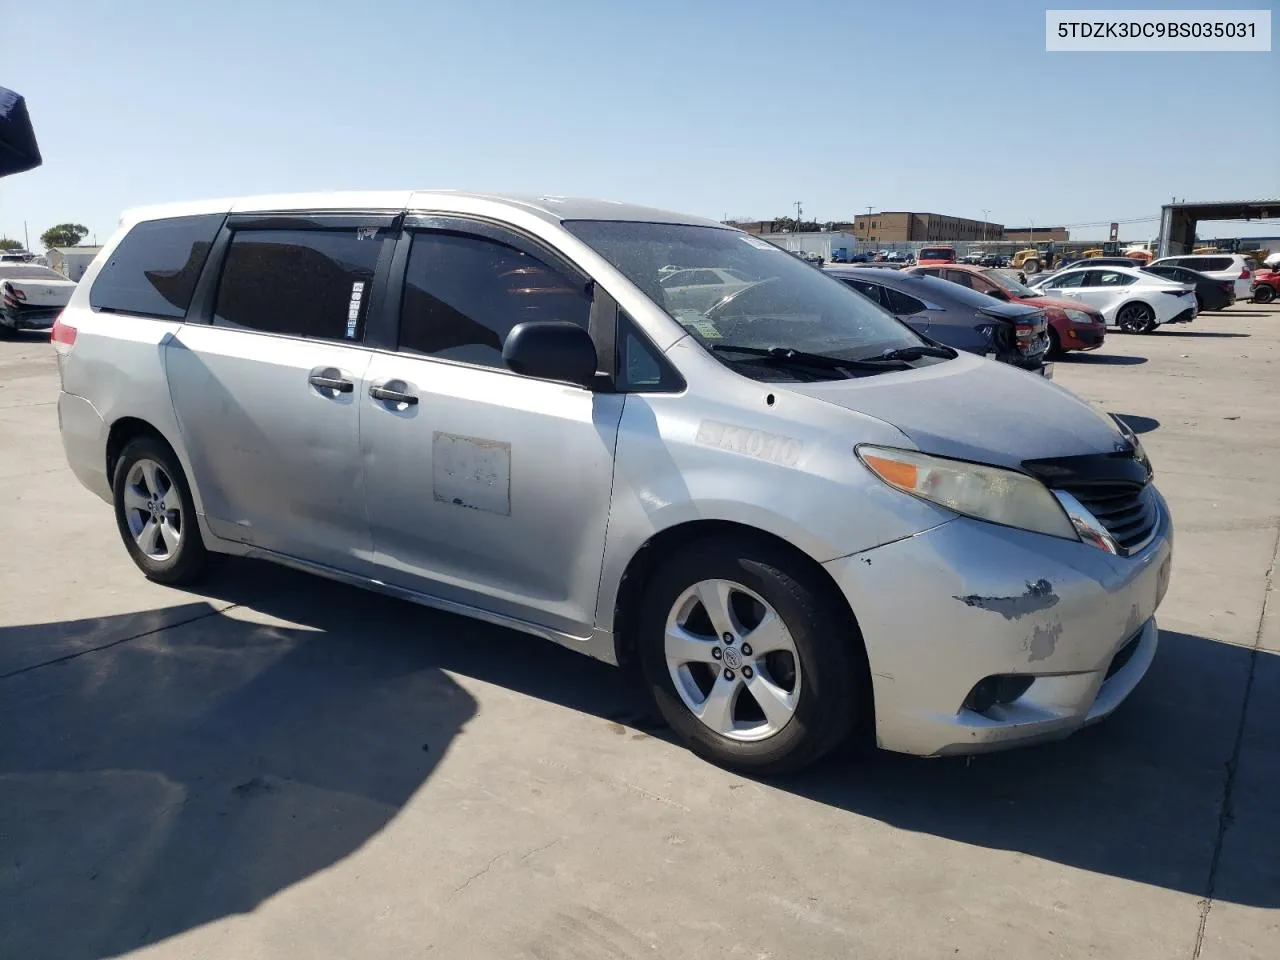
x=797, y=517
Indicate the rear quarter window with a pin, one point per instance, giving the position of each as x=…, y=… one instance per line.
x=154, y=269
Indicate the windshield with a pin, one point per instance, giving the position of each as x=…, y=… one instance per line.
x=766, y=298
x=1010, y=284
x=29, y=271
x=937, y=253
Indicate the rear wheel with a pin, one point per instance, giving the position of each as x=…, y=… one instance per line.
x=156, y=515
x=7, y=332
x=748, y=658
x=1136, y=318
x=1264, y=293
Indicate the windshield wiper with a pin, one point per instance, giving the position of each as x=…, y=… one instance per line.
x=913, y=353
x=788, y=356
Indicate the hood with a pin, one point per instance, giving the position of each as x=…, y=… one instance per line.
x=1057, y=303
x=976, y=409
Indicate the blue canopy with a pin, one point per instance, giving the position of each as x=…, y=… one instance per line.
x=18, y=148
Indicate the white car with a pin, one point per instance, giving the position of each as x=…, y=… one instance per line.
x=1219, y=266
x=699, y=288
x=31, y=297
x=1132, y=300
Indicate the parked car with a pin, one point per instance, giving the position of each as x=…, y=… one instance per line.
x=940, y=254
x=699, y=287
x=1211, y=294
x=1220, y=266
x=1072, y=325
x=956, y=316
x=1086, y=262
x=31, y=296
x=1133, y=300
x=778, y=511
x=1266, y=284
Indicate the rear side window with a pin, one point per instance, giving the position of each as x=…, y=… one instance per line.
x=154, y=269
x=301, y=283
x=903, y=304
x=871, y=291
x=1206, y=263
x=1108, y=278
x=958, y=276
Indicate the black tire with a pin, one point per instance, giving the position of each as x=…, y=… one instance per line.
x=1264, y=293
x=1199, y=303
x=189, y=561
x=1055, y=350
x=7, y=332
x=1136, y=317
x=834, y=680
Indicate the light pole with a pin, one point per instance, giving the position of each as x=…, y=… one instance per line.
x=984, y=225
x=868, y=221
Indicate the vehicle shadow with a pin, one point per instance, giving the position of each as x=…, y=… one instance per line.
x=191, y=773
x=1139, y=424
x=1102, y=359
x=1202, y=334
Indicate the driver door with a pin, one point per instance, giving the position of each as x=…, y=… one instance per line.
x=484, y=487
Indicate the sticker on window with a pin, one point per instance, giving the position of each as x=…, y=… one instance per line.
x=706, y=328
x=353, y=309
x=366, y=233
x=758, y=243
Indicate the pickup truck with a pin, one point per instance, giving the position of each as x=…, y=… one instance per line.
x=31, y=297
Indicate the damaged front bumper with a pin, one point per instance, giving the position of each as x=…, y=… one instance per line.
x=1064, y=629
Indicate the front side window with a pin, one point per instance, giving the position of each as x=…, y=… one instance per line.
x=464, y=293
x=154, y=269
x=958, y=276
x=1073, y=278
x=301, y=283
x=781, y=301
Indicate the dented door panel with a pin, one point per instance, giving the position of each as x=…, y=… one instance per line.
x=492, y=490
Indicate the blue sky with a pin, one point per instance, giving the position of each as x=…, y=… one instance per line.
x=715, y=108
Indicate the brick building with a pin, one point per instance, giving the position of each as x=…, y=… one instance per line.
x=891, y=226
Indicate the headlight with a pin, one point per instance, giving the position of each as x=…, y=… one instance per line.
x=1078, y=316
x=993, y=494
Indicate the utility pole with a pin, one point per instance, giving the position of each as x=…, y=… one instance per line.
x=799, y=214
x=26, y=241
x=868, y=221
x=984, y=225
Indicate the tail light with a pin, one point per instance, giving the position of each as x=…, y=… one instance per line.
x=1227, y=286
x=1029, y=331
x=63, y=333
x=1245, y=274
x=13, y=296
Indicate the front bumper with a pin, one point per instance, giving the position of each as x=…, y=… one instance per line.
x=968, y=600
x=1076, y=337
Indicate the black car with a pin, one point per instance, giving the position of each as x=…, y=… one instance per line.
x=954, y=315
x=1211, y=294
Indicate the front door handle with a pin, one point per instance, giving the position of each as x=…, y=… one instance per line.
x=393, y=396
x=330, y=378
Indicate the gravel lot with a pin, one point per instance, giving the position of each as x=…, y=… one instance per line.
x=283, y=767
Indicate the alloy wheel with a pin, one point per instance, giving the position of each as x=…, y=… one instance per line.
x=153, y=510
x=732, y=660
x=1134, y=318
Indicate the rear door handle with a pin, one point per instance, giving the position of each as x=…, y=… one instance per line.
x=388, y=395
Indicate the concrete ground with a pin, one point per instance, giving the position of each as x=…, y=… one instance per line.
x=281, y=767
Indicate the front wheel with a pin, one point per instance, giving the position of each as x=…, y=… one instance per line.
x=1055, y=346
x=1264, y=294
x=749, y=658
x=1136, y=318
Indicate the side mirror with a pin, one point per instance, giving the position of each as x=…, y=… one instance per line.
x=551, y=350
x=998, y=294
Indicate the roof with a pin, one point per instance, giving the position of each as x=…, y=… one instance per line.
x=551, y=208
x=75, y=249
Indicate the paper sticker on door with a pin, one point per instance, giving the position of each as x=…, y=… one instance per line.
x=471, y=472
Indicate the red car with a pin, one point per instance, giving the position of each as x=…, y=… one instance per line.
x=1266, y=284
x=936, y=255
x=1072, y=325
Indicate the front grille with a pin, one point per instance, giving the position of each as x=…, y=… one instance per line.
x=1127, y=510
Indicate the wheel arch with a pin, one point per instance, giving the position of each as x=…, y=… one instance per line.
x=667, y=542
x=128, y=427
